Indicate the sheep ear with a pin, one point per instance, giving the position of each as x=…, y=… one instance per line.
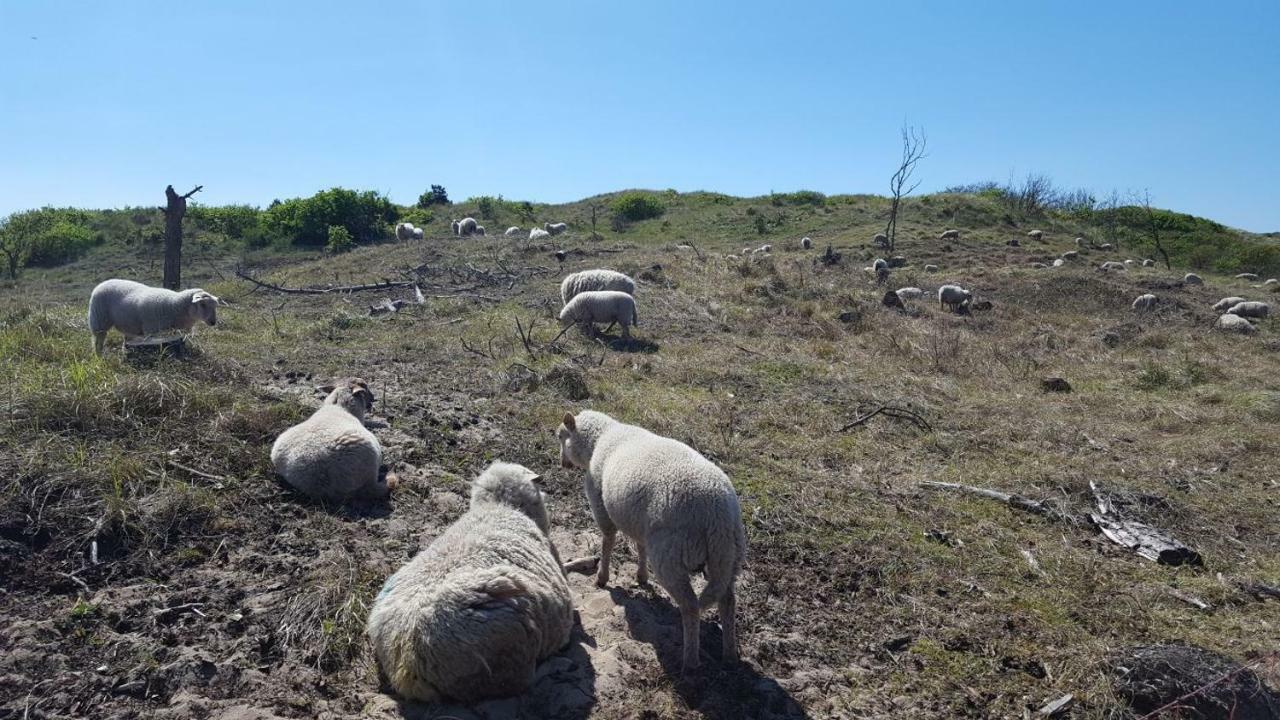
x=536, y=480
x=569, y=423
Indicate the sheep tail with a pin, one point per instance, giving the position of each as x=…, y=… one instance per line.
x=724, y=560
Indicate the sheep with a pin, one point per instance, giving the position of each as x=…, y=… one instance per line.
x=598, y=279
x=1145, y=302
x=1079, y=242
x=1235, y=323
x=762, y=250
x=806, y=243
x=513, y=230
x=538, y=234
x=909, y=293
x=880, y=264
x=1226, y=302
x=456, y=227
x=1039, y=265
x=953, y=296
x=880, y=240
x=1112, y=265
x=1059, y=262
x=1251, y=277
x=1148, y=262
x=1070, y=255
x=931, y=268
x=467, y=226
x=471, y=616
x=332, y=455
x=678, y=509
x=404, y=231
x=599, y=306
x=1104, y=246
x=480, y=230
x=1271, y=281
x=137, y=310
x=1128, y=263
x=1035, y=234
x=1250, y=309
x=555, y=228
x=949, y=235
x=1192, y=279
x=417, y=233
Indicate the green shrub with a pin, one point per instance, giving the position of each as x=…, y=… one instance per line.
x=634, y=207
x=61, y=243
x=417, y=216
x=339, y=240
x=367, y=216
x=799, y=197
x=232, y=221
x=485, y=206
x=435, y=196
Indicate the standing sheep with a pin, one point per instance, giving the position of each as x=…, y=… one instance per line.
x=456, y=227
x=137, y=310
x=1035, y=234
x=332, y=455
x=538, y=234
x=1192, y=279
x=417, y=233
x=467, y=226
x=598, y=279
x=404, y=231
x=1070, y=255
x=1250, y=309
x=677, y=508
x=880, y=264
x=1251, y=277
x=1235, y=323
x=953, y=296
x=806, y=243
x=513, y=230
x=555, y=228
x=470, y=617
x=909, y=293
x=1148, y=262
x=601, y=306
x=949, y=235
x=1145, y=302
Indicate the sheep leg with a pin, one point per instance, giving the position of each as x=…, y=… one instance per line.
x=642, y=557
x=607, y=539
x=99, y=340
x=626, y=330
x=611, y=324
x=728, y=627
x=674, y=578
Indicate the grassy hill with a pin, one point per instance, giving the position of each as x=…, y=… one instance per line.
x=866, y=593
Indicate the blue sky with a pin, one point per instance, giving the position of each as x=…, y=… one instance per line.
x=554, y=101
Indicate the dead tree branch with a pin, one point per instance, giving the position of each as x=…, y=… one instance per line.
x=892, y=411
x=1014, y=501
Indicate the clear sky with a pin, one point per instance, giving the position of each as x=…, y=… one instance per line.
x=554, y=101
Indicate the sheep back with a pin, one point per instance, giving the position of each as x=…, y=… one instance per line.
x=600, y=306
x=600, y=279
x=330, y=456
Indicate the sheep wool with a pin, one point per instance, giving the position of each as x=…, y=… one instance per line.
x=598, y=279
x=332, y=455
x=601, y=306
x=1235, y=323
x=1250, y=309
x=467, y=226
x=555, y=228
x=909, y=293
x=1226, y=302
x=949, y=235
x=513, y=230
x=1192, y=279
x=417, y=233
x=806, y=243
x=137, y=310
x=679, y=510
x=1145, y=302
x=470, y=617
x=538, y=234
x=953, y=296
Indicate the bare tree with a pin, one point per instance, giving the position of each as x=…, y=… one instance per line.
x=175, y=208
x=1153, y=227
x=900, y=185
x=595, y=208
x=1109, y=213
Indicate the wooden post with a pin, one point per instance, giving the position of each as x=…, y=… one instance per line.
x=174, y=210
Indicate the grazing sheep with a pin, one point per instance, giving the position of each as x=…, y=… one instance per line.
x=762, y=249
x=1059, y=262
x=1251, y=277
x=931, y=268
x=417, y=233
x=1235, y=323
x=880, y=240
x=909, y=293
x=1112, y=265
x=467, y=226
x=470, y=617
x=1104, y=246
x=137, y=310
x=455, y=226
x=1271, y=281
x=332, y=455
x=679, y=510
x=538, y=234
x=882, y=276
x=555, y=228
x=513, y=230
x=1035, y=234
x=598, y=279
x=949, y=235
x=953, y=296
x=1148, y=262
x=880, y=264
x=1070, y=255
x=601, y=306
x=1226, y=302
x=480, y=230
x=806, y=243
x=1250, y=309
x=1145, y=302
x=404, y=231
x=1192, y=279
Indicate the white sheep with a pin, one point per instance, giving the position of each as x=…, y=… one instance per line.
x=1112, y=265
x=1035, y=234
x=909, y=293
x=1192, y=279
x=1251, y=277
x=931, y=268
x=1145, y=302
x=598, y=279
x=880, y=240
x=763, y=249
x=404, y=231
x=1250, y=309
x=880, y=264
x=678, y=509
x=332, y=455
x=1271, y=281
x=601, y=306
x=1128, y=263
x=555, y=228
x=949, y=235
x=1235, y=323
x=1070, y=255
x=417, y=233
x=467, y=226
x=806, y=243
x=1080, y=242
x=1148, y=262
x=480, y=230
x=953, y=296
x=1226, y=302
x=513, y=230
x=456, y=227
x=137, y=310
x=470, y=617
x=1104, y=246
x=1059, y=262
x=538, y=234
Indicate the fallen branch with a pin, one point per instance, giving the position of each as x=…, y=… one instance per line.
x=1148, y=542
x=197, y=473
x=1013, y=501
x=1191, y=600
x=384, y=285
x=892, y=411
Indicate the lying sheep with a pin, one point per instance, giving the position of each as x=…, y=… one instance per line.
x=332, y=455
x=1035, y=234
x=806, y=243
x=601, y=306
x=598, y=279
x=555, y=228
x=1251, y=277
x=909, y=293
x=1250, y=309
x=1112, y=265
x=538, y=234
x=467, y=226
x=513, y=230
x=137, y=310
x=1192, y=279
x=1145, y=302
x=931, y=268
x=417, y=234
x=470, y=617
x=1271, y=281
x=1226, y=302
x=949, y=235
x=1235, y=323
x=1070, y=255
x=404, y=231
x=677, y=508
x=953, y=296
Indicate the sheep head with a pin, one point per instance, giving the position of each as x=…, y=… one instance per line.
x=351, y=394
x=204, y=306
x=574, y=449
x=515, y=486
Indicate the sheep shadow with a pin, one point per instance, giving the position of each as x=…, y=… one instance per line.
x=351, y=509
x=564, y=686
x=717, y=691
x=631, y=344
